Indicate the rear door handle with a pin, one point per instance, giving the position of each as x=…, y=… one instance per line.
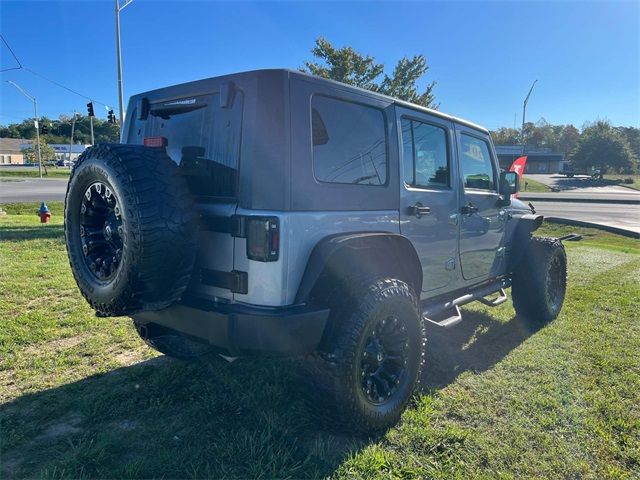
x=418, y=210
x=469, y=209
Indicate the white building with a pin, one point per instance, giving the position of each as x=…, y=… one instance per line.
x=62, y=150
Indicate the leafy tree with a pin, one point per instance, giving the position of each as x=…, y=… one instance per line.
x=348, y=66
x=633, y=137
x=506, y=136
x=568, y=139
x=603, y=146
x=47, y=153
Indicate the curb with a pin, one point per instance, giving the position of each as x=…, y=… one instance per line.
x=622, y=201
x=606, y=228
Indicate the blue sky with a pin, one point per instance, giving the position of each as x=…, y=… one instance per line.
x=483, y=55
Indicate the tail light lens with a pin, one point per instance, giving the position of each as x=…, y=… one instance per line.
x=263, y=238
x=155, y=142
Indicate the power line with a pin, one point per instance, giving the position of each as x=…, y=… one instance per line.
x=14, y=57
x=64, y=87
x=58, y=84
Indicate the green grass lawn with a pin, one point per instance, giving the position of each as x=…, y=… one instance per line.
x=83, y=397
x=18, y=172
x=533, y=186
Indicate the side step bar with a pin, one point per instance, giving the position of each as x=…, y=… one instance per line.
x=453, y=306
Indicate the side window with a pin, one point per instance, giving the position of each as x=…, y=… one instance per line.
x=349, y=142
x=425, y=154
x=476, y=164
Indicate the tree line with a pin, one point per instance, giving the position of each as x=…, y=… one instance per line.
x=598, y=144
x=59, y=131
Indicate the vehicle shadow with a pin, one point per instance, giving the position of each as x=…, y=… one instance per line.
x=563, y=183
x=476, y=344
x=166, y=418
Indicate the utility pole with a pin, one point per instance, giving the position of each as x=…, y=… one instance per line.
x=73, y=126
x=93, y=142
x=524, y=111
x=36, y=122
x=119, y=56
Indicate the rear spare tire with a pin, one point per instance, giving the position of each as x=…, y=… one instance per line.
x=130, y=229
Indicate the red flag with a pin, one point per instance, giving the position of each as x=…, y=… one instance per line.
x=518, y=167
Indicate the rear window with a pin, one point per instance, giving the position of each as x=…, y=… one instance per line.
x=203, y=138
x=349, y=142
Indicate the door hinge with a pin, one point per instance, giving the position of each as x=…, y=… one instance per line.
x=236, y=281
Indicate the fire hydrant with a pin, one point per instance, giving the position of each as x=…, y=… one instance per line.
x=44, y=213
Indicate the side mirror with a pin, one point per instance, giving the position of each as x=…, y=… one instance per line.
x=509, y=184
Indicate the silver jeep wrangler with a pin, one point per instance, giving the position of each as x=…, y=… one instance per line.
x=271, y=212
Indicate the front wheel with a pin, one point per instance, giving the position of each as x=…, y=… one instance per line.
x=374, y=359
x=540, y=281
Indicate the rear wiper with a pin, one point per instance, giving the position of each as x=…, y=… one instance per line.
x=166, y=112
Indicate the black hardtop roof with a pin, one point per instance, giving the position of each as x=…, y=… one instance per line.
x=296, y=73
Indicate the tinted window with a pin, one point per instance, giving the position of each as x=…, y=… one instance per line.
x=203, y=138
x=349, y=142
x=476, y=164
x=425, y=154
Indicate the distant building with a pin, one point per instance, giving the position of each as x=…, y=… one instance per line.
x=540, y=160
x=11, y=150
x=62, y=150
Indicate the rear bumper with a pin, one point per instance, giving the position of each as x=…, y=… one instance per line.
x=237, y=329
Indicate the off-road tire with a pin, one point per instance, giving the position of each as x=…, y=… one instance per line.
x=540, y=281
x=158, y=228
x=333, y=376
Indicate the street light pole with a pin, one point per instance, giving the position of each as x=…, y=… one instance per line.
x=119, y=56
x=524, y=112
x=36, y=121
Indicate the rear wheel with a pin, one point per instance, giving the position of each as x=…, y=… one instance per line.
x=540, y=281
x=367, y=376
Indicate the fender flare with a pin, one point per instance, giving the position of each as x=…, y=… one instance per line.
x=372, y=253
x=527, y=224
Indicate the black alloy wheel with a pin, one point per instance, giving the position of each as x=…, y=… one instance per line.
x=101, y=231
x=384, y=359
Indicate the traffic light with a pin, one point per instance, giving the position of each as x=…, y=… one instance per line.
x=111, y=117
x=44, y=129
x=90, y=109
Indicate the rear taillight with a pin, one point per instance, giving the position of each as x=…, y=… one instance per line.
x=263, y=238
x=155, y=142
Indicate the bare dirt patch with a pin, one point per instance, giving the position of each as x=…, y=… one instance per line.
x=67, y=425
x=57, y=345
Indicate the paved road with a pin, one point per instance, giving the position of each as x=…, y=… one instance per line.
x=631, y=196
x=614, y=215
x=581, y=184
x=32, y=190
